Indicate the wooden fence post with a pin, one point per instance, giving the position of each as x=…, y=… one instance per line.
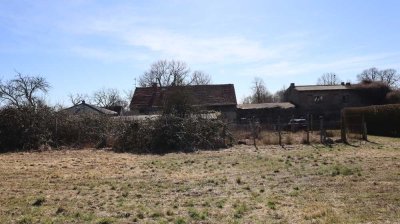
x=343, y=128
x=364, y=129
x=321, y=130
x=308, y=129
x=279, y=130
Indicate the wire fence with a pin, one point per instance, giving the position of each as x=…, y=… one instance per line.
x=309, y=130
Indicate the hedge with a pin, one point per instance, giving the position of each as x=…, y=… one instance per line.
x=381, y=120
x=170, y=133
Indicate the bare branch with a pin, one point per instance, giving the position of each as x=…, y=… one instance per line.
x=107, y=98
x=260, y=94
x=200, y=78
x=329, y=78
x=23, y=90
x=77, y=98
x=166, y=73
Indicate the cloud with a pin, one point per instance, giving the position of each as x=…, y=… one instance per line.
x=197, y=49
x=342, y=64
x=137, y=33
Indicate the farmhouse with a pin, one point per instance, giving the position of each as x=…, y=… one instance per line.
x=84, y=108
x=151, y=100
x=327, y=100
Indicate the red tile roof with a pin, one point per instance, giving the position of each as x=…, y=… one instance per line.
x=203, y=95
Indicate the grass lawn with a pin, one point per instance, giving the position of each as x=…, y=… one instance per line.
x=298, y=184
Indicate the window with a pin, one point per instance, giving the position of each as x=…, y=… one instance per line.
x=318, y=99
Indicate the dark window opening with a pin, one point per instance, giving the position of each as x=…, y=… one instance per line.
x=318, y=99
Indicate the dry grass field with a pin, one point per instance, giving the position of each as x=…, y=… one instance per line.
x=295, y=184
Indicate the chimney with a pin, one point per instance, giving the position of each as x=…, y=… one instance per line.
x=83, y=102
x=292, y=85
x=347, y=83
x=342, y=83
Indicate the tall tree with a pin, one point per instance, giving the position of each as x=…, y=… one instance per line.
x=23, y=90
x=387, y=76
x=329, y=78
x=260, y=94
x=172, y=73
x=390, y=77
x=199, y=78
x=165, y=73
x=107, y=98
x=370, y=75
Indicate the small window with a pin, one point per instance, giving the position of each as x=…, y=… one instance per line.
x=318, y=99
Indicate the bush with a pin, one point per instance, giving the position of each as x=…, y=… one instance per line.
x=25, y=128
x=172, y=133
x=372, y=92
x=80, y=130
x=381, y=120
x=29, y=128
x=393, y=97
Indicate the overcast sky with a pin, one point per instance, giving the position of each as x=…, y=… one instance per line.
x=81, y=46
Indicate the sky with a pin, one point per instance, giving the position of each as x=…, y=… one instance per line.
x=81, y=46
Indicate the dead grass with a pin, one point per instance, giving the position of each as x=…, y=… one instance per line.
x=295, y=184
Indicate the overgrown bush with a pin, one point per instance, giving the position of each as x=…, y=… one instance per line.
x=172, y=133
x=29, y=128
x=393, y=97
x=80, y=130
x=372, y=92
x=25, y=127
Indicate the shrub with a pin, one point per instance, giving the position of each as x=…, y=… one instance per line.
x=80, y=130
x=372, y=92
x=25, y=127
x=393, y=97
x=172, y=133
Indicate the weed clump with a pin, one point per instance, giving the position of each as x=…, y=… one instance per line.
x=38, y=201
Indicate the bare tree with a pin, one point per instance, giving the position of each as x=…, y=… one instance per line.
x=165, y=73
x=172, y=73
x=156, y=74
x=329, y=78
x=23, y=90
x=370, y=75
x=247, y=100
x=200, y=78
x=279, y=95
x=107, y=98
x=390, y=77
x=260, y=94
x=127, y=97
x=77, y=98
x=387, y=76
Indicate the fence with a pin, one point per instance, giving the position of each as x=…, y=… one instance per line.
x=353, y=127
x=312, y=129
